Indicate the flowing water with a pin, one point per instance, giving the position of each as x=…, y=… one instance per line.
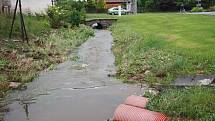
x=74, y=91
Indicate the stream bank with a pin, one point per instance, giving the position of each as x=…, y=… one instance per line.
x=76, y=90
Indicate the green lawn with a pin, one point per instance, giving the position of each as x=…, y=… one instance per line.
x=166, y=44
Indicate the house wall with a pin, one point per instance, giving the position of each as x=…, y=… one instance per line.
x=110, y=5
x=130, y=5
x=33, y=5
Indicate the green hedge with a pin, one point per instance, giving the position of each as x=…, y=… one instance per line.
x=197, y=9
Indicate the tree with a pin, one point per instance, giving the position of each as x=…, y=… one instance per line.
x=100, y=4
x=91, y=6
x=140, y=5
x=188, y=4
x=207, y=3
x=151, y=5
x=167, y=5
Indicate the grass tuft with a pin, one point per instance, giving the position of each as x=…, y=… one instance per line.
x=196, y=103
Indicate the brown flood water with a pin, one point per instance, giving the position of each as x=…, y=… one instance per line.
x=74, y=91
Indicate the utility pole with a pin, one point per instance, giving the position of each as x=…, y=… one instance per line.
x=22, y=23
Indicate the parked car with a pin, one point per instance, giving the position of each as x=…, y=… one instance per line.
x=115, y=11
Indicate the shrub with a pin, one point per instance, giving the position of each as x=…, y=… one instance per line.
x=55, y=16
x=167, y=5
x=100, y=4
x=212, y=8
x=74, y=12
x=75, y=18
x=90, y=6
x=67, y=12
x=197, y=9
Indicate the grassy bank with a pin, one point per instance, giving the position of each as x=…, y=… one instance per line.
x=157, y=47
x=35, y=25
x=196, y=103
x=21, y=62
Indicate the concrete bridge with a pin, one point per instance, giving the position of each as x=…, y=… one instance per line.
x=100, y=23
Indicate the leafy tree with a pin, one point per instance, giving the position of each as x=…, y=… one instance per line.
x=90, y=3
x=167, y=5
x=140, y=5
x=100, y=4
x=91, y=6
x=188, y=4
x=207, y=3
x=151, y=5
x=171, y=5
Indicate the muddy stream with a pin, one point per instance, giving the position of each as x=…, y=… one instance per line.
x=75, y=90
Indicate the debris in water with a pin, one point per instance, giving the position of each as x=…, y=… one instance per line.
x=14, y=85
x=194, y=80
x=147, y=72
x=205, y=82
x=79, y=66
x=94, y=25
x=84, y=65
